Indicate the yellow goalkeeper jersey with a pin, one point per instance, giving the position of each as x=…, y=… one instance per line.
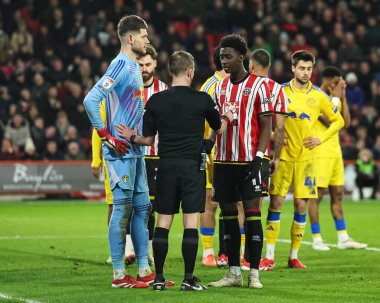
x=304, y=108
x=209, y=87
x=96, y=141
x=331, y=148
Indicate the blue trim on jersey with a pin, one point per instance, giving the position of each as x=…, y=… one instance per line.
x=299, y=218
x=315, y=228
x=242, y=231
x=207, y=231
x=320, y=90
x=213, y=80
x=119, y=66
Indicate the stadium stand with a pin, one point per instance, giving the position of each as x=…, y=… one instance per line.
x=52, y=52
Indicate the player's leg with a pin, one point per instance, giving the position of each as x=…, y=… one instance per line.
x=116, y=235
x=109, y=200
x=297, y=232
x=222, y=254
x=304, y=187
x=313, y=208
x=344, y=241
x=225, y=185
x=151, y=224
x=242, y=226
x=130, y=256
x=207, y=220
x=279, y=186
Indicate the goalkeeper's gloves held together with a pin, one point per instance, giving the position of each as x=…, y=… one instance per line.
x=253, y=168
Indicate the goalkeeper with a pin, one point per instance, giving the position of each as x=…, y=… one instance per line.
x=122, y=88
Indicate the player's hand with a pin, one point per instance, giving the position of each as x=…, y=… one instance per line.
x=125, y=132
x=120, y=147
x=208, y=145
x=96, y=171
x=273, y=166
x=229, y=115
x=344, y=86
x=253, y=169
x=337, y=90
x=285, y=140
x=311, y=142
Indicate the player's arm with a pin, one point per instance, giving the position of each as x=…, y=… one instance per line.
x=337, y=123
x=100, y=91
x=345, y=110
x=265, y=112
x=96, y=143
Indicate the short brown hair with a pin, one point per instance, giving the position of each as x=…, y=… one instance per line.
x=130, y=23
x=180, y=61
x=151, y=51
x=302, y=55
x=261, y=56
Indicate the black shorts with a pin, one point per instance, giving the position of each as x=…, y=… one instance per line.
x=151, y=171
x=265, y=172
x=180, y=180
x=230, y=186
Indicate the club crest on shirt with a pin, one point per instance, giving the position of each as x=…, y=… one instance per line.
x=311, y=102
x=246, y=91
x=125, y=179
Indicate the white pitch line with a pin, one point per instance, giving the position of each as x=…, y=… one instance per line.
x=105, y=236
x=5, y=296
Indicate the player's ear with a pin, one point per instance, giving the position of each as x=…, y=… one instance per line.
x=293, y=68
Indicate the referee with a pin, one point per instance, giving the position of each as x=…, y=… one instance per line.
x=178, y=115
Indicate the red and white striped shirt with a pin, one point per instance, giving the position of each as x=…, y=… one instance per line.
x=247, y=99
x=279, y=101
x=155, y=87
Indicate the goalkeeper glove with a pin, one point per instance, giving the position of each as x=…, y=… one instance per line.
x=208, y=145
x=120, y=147
x=253, y=168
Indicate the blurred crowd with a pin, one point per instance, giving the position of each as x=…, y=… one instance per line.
x=53, y=51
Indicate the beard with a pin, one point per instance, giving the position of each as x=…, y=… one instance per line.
x=147, y=76
x=300, y=80
x=140, y=52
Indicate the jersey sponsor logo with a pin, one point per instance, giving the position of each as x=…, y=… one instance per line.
x=266, y=100
x=107, y=83
x=301, y=116
x=232, y=106
x=304, y=116
x=222, y=92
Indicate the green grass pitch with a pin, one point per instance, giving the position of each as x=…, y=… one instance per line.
x=55, y=252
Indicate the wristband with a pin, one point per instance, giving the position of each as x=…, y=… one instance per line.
x=259, y=154
x=335, y=101
x=132, y=138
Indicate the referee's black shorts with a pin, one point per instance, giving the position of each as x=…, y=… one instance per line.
x=180, y=180
x=151, y=165
x=265, y=172
x=229, y=184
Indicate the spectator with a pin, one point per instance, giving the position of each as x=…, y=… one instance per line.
x=9, y=151
x=74, y=152
x=52, y=152
x=354, y=94
x=17, y=131
x=22, y=39
x=38, y=134
x=367, y=173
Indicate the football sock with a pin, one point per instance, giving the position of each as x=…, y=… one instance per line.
x=139, y=228
x=189, y=250
x=151, y=222
x=297, y=232
x=128, y=246
x=207, y=236
x=340, y=226
x=272, y=231
x=235, y=270
x=160, y=250
x=116, y=234
x=254, y=234
x=316, y=232
x=242, y=240
x=232, y=237
x=222, y=244
x=118, y=274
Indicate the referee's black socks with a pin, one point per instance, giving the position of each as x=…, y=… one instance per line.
x=189, y=250
x=232, y=237
x=160, y=250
